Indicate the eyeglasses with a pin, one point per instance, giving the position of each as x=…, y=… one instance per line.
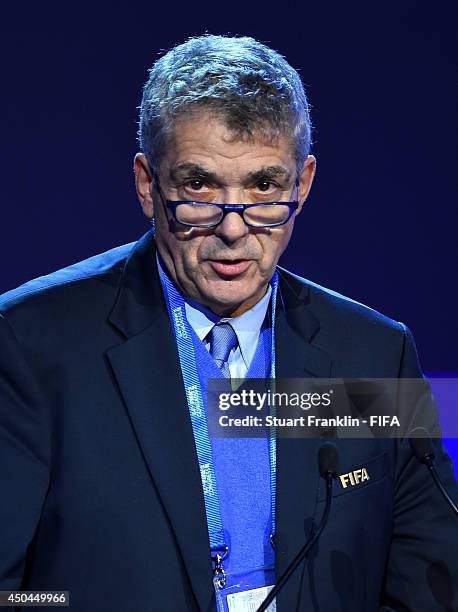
x=209, y=214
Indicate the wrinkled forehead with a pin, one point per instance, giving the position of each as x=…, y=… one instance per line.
x=203, y=145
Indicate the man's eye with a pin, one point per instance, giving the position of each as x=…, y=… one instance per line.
x=195, y=184
x=265, y=186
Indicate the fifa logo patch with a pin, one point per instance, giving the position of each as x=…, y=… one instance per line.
x=354, y=478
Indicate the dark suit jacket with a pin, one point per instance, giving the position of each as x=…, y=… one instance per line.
x=101, y=493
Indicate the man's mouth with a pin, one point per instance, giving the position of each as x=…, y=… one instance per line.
x=230, y=267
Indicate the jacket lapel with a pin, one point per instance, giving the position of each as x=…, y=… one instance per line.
x=297, y=465
x=147, y=370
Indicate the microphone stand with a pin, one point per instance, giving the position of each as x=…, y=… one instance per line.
x=423, y=449
x=428, y=461
x=329, y=477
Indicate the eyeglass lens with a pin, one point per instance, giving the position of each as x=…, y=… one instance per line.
x=207, y=215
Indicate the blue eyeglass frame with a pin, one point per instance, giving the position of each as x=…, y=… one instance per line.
x=172, y=205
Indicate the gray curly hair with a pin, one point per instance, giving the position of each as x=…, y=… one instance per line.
x=250, y=86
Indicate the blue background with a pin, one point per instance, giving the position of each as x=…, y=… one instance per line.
x=381, y=221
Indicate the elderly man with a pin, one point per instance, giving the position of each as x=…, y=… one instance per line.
x=112, y=487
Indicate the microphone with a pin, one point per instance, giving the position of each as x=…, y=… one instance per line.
x=328, y=466
x=423, y=449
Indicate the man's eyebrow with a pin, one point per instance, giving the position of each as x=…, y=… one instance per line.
x=195, y=170
x=268, y=173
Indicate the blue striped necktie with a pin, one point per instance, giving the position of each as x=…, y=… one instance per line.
x=222, y=340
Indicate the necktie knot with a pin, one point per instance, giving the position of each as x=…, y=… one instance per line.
x=222, y=340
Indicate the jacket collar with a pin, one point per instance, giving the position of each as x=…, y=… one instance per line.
x=139, y=301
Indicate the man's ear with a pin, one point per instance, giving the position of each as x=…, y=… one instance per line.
x=143, y=184
x=306, y=180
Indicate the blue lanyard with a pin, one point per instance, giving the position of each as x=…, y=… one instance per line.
x=197, y=412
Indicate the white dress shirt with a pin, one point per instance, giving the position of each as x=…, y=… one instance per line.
x=247, y=326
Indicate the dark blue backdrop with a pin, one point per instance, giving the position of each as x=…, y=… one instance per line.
x=380, y=224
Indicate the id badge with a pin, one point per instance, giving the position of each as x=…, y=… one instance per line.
x=249, y=601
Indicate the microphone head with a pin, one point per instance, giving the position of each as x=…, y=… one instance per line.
x=421, y=444
x=328, y=460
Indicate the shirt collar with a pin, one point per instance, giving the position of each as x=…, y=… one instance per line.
x=247, y=326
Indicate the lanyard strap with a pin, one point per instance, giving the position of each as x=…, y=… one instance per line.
x=197, y=411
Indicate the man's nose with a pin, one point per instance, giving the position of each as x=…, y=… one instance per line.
x=232, y=227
